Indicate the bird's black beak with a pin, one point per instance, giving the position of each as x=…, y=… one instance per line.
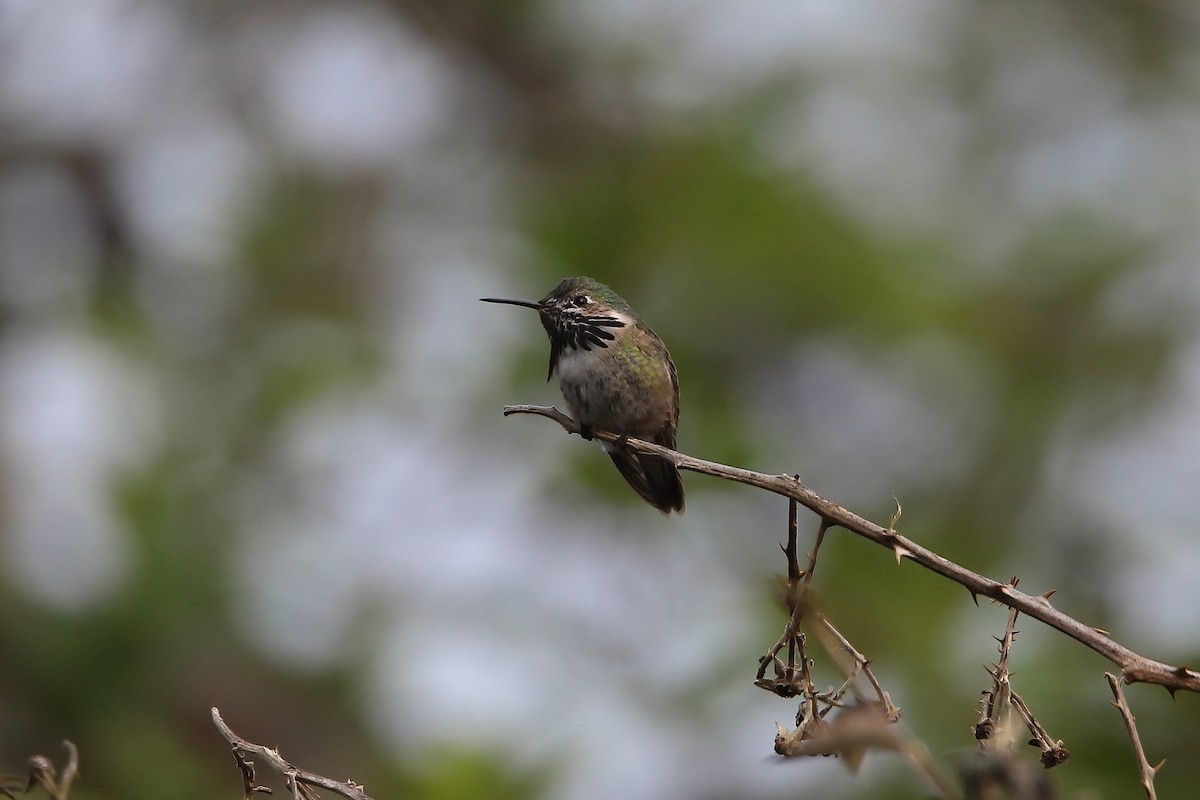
x=525, y=303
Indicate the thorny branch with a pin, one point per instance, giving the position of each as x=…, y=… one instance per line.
x=298, y=781
x=1134, y=666
x=996, y=728
x=1145, y=771
x=793, y=678
x=859, y=726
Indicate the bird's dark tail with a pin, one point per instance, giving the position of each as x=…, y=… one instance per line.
x=656, y=479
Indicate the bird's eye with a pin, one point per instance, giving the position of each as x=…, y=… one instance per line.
x=581, y=300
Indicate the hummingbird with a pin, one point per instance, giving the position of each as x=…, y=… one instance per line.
x=617, y=376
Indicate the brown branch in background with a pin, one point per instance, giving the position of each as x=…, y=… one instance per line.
x=834, y=642
x=858, y=727
x=1134, y=666
x=298, y=781
x=792, y=678
x=996, y=730
x=812, y=557
x=1145, y=771
x=42, y=773
x=1053, y=752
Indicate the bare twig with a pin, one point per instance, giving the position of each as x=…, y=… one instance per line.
x=834, y=642
x=853, y=730
x=812, y=557
x=42, y=773
x=1053, y=752
x=298, y=781
x=791, y=549
x=1134, y=666
x=996, y=728
x=793, y=678
x=1006, y=641
x=1145, y=771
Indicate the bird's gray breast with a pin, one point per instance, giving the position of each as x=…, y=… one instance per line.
x=599, y=392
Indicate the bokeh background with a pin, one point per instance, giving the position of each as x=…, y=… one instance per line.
x=251, y=450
